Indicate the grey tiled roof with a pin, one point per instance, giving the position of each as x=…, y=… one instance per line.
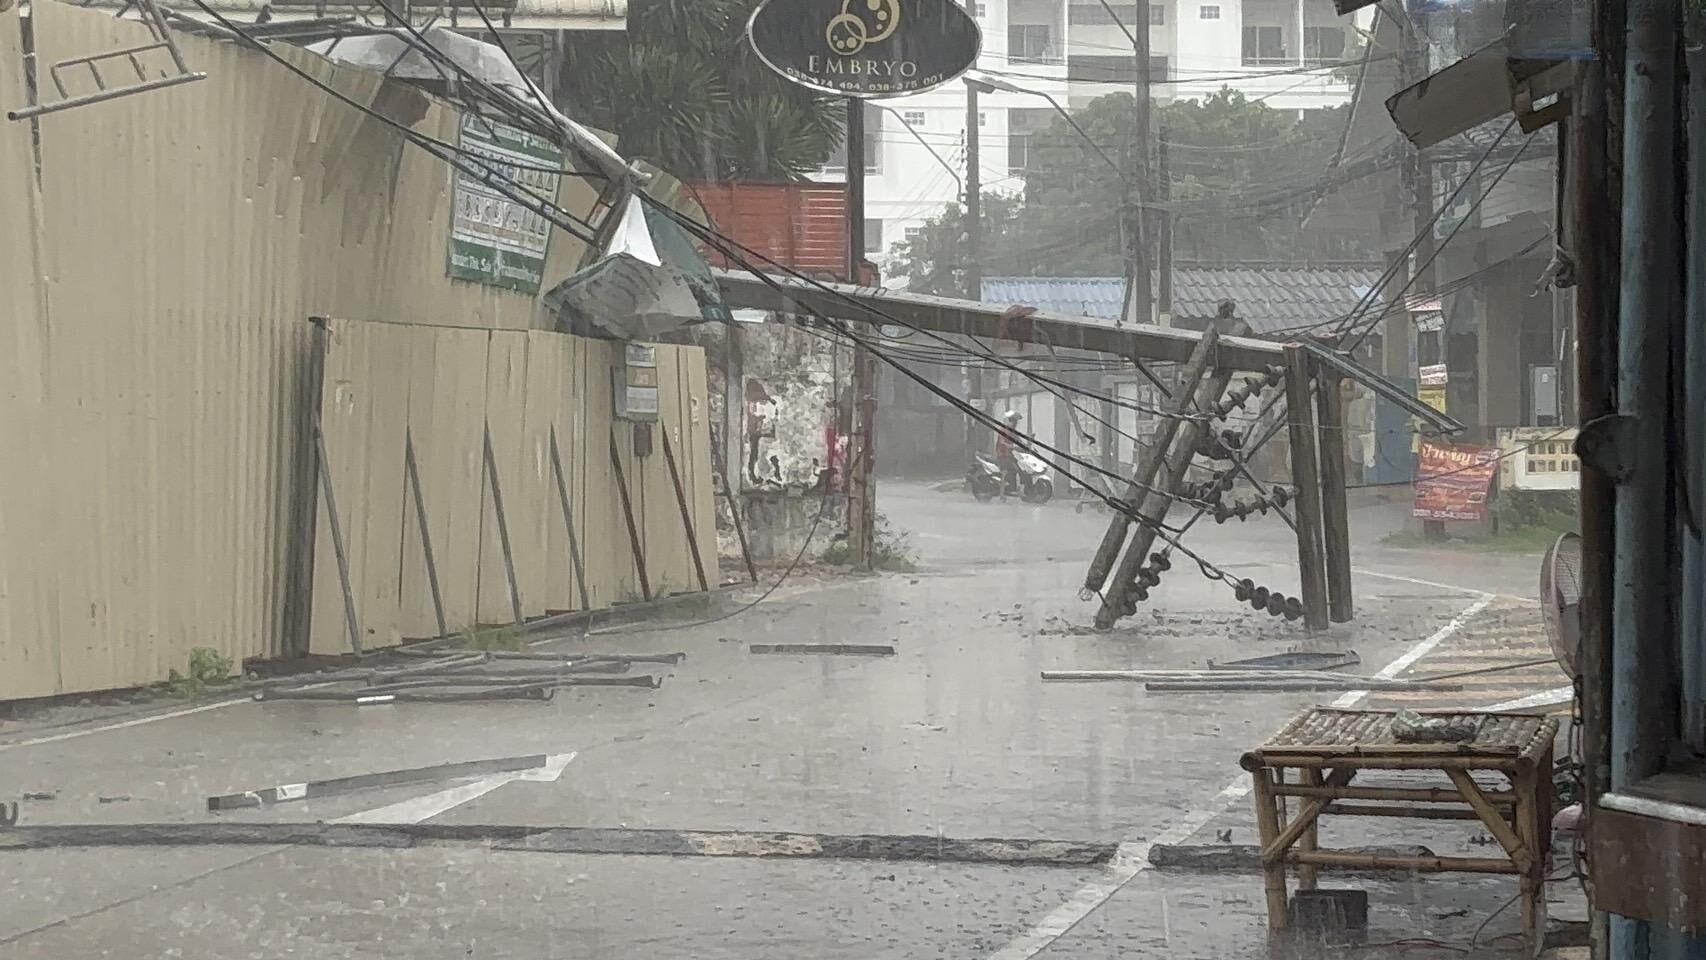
x=1270, y=297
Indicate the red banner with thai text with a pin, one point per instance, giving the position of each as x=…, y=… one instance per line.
x=1453, y=481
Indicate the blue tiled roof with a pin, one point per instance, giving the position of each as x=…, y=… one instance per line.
x=1270, y=298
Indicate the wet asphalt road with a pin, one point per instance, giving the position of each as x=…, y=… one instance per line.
x=954, y=736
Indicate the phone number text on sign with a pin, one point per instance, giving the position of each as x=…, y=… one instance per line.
x=1453, y=481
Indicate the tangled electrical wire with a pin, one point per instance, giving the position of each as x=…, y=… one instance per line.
x=494, y=175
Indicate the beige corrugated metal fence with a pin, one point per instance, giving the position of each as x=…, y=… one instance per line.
x=389, y=387
x=156, y=282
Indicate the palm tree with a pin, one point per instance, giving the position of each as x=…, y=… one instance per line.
x=683, y=90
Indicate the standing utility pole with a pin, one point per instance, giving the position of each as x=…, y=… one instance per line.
x=1164, y=268
x=974, y=254
x=1419, y=185
x=1140, y=304
x=861, y=512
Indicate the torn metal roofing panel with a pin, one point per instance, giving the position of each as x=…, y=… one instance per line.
x=1481, y=87
x=402, y=57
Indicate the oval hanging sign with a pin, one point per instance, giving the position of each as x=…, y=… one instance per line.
x=866, y=48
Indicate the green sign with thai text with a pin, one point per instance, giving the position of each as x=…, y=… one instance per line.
x=493, y=238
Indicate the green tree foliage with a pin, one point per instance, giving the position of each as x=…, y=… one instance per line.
x=1242, y=178
x=682, y=89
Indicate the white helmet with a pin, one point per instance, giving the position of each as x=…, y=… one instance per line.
x=1011, y=416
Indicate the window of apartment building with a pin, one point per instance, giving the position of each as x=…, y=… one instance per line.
x=873, y=144
x=1021, y=124
x=1030, y=41
x=913, y=118
x=1103, y=69
x=873, y=235
x=1264, y=45
x=974, y=7
x=1157, y=15
x=1209, y=12
x=1096, y=15
x=982, y=119
x=1324, y=44
x=913, y=233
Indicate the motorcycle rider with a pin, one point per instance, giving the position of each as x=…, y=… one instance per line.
x=1006, y=441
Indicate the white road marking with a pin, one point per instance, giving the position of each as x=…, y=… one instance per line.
x=1458, y=588
x=122, y=724
x=1545, y=698
x=1132, y=857
x=420, y=809
x=1417, y=652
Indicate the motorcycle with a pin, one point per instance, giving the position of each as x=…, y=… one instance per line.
x=1034, y=486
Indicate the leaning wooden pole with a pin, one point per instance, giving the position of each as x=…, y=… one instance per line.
x=1149, y=463
x=1117, y=602
x=1335, y=512
x=1311, y=553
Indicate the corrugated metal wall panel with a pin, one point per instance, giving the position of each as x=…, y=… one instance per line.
x=29, y=653
x=157, y=496
x=523, y=384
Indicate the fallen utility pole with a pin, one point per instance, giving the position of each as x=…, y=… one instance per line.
x=572, y=840
x=1150, y=463
x=831, y=649
x=285, y=792
x=1118, y=601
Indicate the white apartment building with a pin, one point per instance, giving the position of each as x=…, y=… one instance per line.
x=1074, y=51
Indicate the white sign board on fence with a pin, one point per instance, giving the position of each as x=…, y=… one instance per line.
x=1539, y=458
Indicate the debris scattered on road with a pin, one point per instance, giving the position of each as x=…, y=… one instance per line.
x=572, y=840
x=286, y=792
x=118, y=798
x=1215, y=681
x=830, y=649
x=1295, y=660
x=41, y=796
x=468, y=677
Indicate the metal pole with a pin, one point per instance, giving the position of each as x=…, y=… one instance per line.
x=1149, y=462
x=336, y=526
x=974, y=252
x=628, y=517
x=426, y=534
x=1646, y=307
x=503, y=528
x=1641, y=627
x=569, y=521
x=686, y=515
x=1594, y=201
x=1693, y=426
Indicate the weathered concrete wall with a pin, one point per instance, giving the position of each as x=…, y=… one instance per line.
x=779, y=522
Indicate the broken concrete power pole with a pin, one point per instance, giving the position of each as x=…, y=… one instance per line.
x=1149, y=464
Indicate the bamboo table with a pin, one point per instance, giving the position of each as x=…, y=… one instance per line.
x=1329, y=748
